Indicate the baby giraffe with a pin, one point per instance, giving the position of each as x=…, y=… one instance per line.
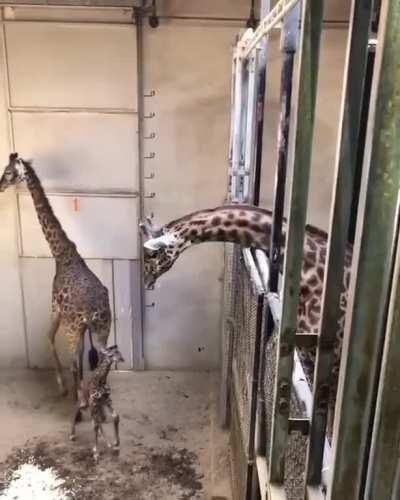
x=94, y=395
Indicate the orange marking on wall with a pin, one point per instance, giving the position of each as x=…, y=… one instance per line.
x=77, y=205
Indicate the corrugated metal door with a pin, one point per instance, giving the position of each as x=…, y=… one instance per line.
x=73, y=109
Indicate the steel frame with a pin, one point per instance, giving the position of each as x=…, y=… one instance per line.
x=371, y=281
x=361, y=466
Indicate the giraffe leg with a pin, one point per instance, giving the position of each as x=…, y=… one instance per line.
x=115, y=418
x=52, y=336
x=77, y=362
x=96, y=428
x=75, y=420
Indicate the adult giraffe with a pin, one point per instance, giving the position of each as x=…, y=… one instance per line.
x=250, y=226
x=79, y=300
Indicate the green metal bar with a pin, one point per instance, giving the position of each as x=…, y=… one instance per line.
x=304, y=126
x=371, y=273
x=346, y=160
x=383, y=473
x=384, y=460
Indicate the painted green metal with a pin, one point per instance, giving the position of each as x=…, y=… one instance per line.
x=384, y=457
x=346, y=157
x=304, y=126
x=384, y=463
x=371, y=273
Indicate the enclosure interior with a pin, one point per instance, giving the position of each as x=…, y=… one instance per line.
x=71, y=102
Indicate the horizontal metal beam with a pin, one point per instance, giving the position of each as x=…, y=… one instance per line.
x=72, y=109
x=83, y=194
x=268, y=23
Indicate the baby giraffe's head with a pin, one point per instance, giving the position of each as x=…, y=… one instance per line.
x=161, y=249
x=111, y=354
x=14, y=172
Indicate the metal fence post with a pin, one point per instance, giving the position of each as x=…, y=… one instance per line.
x=346, y=156
x=312, y=17
x=372, y=259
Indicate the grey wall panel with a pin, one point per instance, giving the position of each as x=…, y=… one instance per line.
x=100, y=59
x=124, y=309
x=80, y=151
x=101, y=227
x=79, y=14
x=189, y=66
x=37, y=285
x=12, y=353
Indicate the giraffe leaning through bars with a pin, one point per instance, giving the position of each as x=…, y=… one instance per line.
x=250, y=226
x=79, y=300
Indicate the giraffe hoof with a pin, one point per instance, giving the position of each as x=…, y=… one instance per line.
x=78, y=417
x=72, y=437
x=115, y=450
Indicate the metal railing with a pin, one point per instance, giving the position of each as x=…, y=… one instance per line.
x=361, y=465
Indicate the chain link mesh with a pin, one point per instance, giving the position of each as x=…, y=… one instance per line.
x=241, y=310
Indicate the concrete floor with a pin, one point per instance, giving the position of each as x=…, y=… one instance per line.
x=160, y=412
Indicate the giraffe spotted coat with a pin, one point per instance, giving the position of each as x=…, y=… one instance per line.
x=79, y=300
x=250, y=226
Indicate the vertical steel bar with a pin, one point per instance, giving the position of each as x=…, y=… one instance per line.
x=137, y=334
x=305, y=112
x=289, y=45
x=345, y=164
x=251, y=116
x=265, y=6
x=384, y=457
x=237, y=125
x=367, y=308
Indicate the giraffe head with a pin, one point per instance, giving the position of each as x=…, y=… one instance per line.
x=14, y=173
x=112, y=354
x=161, y=249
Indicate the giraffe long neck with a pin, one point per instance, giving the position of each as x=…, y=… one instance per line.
x=58, y=241
x=246, y=225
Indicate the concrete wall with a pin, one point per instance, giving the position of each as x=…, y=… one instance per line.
x=188, y=64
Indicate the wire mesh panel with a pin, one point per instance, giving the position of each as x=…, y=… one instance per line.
x=245, y=322
x=294, y=479
x=231, y=259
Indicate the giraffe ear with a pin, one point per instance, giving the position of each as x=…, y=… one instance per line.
x=148, y=229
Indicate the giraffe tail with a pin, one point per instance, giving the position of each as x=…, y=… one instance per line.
x=93, y=355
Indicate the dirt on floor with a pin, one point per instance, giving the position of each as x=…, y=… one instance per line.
x=143, y=474
x=171, y=445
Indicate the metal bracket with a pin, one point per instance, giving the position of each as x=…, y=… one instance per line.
x=150, y=136
x=150, y=156
x=152, y=304
x=149, y=177
x=152, y=93
x=150, y=115
x=151, y=195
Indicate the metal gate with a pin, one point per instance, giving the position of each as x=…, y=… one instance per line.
x=277, y=424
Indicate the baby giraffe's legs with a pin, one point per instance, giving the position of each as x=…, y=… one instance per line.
x=96, y=428
x=115, y=417
x=75, y=419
